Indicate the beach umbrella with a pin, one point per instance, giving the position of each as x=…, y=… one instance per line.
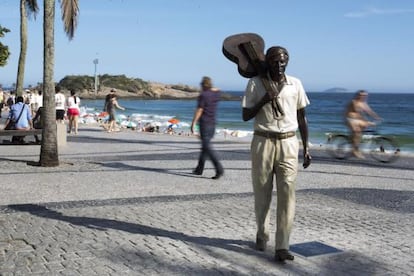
x=173, y=121
x=103, y=114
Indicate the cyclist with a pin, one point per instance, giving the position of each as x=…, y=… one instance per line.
x=355, y=115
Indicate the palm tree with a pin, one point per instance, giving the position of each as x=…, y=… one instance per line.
x=27, y=7
x=70, y=9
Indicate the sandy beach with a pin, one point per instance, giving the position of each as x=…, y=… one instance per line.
x=134, y=196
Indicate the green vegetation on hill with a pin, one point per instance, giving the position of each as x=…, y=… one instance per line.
x=130, y=87
x=120, y=82
x=124, y=83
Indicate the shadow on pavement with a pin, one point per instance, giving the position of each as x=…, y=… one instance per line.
x=391, y=200
x=333, y=263
x=102, y=224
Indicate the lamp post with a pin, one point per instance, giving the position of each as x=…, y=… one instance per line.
x=95, y=61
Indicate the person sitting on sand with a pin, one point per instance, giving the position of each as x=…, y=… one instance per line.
x=149, y=127
x=170, y=130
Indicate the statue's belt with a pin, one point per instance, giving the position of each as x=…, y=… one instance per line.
x=275, y=135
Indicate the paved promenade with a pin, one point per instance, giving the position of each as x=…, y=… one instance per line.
x=127, y=204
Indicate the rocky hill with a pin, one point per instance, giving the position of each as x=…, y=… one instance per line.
x=130, y=88
x=154, y=91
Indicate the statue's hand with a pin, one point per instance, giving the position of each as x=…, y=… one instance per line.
x=307, y=159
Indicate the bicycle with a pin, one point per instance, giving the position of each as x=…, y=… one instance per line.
x=380, y=147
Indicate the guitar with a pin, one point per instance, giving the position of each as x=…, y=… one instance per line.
x=247, y=51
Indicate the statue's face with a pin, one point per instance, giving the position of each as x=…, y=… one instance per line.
x=277, y=63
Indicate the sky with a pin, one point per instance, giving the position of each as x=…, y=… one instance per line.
x=352, y=44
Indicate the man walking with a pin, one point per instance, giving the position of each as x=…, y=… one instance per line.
x=206, y=115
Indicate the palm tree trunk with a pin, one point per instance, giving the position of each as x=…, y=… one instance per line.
x=49, y=150
x=23, y=48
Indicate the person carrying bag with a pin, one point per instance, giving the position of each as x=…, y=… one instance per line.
x=21, y=122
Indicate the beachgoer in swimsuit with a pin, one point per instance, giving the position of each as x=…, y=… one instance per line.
x=356, y=121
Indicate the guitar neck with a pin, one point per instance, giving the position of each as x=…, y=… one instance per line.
x=250, y=52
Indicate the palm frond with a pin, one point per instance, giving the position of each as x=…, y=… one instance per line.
x=31, y=8
x=70, y=13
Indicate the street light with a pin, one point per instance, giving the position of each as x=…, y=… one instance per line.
x=95, y=61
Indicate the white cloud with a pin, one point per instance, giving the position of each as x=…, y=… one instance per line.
x=375, y=11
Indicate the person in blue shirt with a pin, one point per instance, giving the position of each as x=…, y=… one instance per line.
x=24, y=122
x=20, y=114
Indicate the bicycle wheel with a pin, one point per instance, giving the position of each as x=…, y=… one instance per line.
x=339, y=146
x=384, y=149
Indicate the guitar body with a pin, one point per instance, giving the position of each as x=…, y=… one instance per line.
x=247, y=51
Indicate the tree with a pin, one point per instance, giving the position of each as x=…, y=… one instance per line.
x=70, y=9
x=4, y=50
x=27, y=8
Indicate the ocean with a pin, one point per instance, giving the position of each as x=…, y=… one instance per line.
x=325, y=115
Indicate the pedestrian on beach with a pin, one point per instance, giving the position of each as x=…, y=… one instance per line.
x=107, y=98
x=205, y=114
x=2, y=101
x=355, y=113
x=60, y=104
x=111, y=109
x=37, y=101
x=275, y=147
x=73, y=112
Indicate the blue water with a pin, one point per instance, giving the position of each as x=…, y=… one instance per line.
x=325, y=114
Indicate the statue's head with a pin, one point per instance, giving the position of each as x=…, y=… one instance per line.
x=277, y=59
